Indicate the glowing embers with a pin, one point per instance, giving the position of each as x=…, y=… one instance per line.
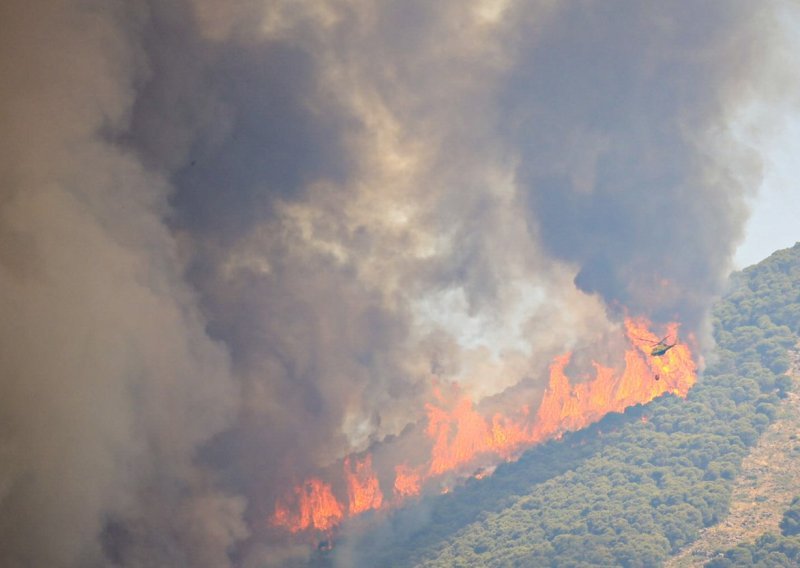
x=462, y=437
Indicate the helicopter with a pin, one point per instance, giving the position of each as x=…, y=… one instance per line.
x=661, y=347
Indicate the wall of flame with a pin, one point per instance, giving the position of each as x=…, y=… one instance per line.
x=460, y=434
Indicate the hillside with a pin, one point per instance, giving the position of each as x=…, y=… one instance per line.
x=763, y=489
x=634, y=489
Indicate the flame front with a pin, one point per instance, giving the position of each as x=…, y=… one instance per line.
x=458, y=436
x=407, y=481
x=317, y=508
x=461, y=434
x=644, y=378
x=362, y=485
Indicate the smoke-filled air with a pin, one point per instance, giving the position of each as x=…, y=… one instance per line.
x=268, y=267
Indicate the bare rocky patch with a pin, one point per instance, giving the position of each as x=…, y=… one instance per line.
x=769, y=480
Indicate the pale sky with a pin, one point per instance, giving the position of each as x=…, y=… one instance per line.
x=775, y=217
x=773, y=223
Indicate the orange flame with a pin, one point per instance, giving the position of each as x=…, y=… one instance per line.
x=362, y=485
x=462, y=434
x=509, y=434
x=407, y=481
x=645, y=377
x=317, y=508
x=458, y=436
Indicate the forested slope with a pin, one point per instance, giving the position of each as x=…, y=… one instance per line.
x=762, y=491
x=634, y=488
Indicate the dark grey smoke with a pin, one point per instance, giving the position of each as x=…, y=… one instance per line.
x=110, y=382
x=616, y=108
x=240, y=240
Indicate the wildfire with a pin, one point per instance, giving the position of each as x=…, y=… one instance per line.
x=407, y=481
x=461, y=434
x=316, y=505
x=458, y=436
x=362, y=485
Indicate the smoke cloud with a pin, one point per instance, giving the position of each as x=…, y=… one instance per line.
x=241, y=240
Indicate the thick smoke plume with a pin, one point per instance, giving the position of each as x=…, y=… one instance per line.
x=239, y=240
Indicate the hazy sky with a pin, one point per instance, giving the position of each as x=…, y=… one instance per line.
x=775, y=132
x=775, y=212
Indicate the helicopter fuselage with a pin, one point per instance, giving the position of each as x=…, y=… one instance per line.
x=660, y=350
